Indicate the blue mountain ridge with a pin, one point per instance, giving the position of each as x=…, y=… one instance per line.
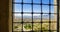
x=37, y=17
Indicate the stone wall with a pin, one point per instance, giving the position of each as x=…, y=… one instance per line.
x=59, y=15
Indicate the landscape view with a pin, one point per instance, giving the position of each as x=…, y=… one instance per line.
x=36, y=26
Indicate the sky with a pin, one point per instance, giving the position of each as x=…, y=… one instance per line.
x=36, y=8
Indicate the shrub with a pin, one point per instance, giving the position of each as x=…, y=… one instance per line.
x=28, y=26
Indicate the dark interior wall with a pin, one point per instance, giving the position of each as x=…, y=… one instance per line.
x=4, y=13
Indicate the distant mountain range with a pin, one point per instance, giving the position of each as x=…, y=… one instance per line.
x=37, y=17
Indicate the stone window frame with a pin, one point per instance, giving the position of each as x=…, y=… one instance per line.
x=10, y=15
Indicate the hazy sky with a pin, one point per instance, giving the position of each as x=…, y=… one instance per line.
x=36, y=8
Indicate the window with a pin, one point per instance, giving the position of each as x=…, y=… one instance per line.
x=34, y=16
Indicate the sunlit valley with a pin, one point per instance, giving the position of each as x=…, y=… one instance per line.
x=27, y=26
